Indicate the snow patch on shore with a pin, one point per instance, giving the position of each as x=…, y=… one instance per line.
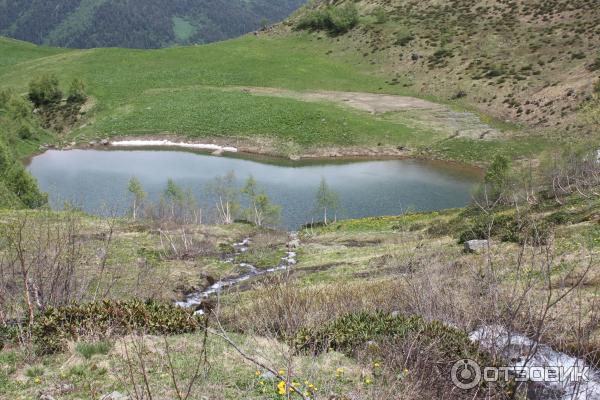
x=169, y=143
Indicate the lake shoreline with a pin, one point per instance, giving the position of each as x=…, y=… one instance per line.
x=260, y=149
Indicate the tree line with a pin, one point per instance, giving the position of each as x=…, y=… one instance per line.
x=180, y=205
x=135, y=23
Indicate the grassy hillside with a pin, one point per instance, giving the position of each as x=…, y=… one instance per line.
x=137, y=24
x=262, y=92
x=529, y=61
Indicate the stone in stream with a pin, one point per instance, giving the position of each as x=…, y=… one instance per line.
x=476, y=246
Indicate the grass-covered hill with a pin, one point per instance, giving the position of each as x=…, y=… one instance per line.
x=137, y=24
x=528, y=61
x=285, y=94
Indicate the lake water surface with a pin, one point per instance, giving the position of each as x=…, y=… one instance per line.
x=97, y=179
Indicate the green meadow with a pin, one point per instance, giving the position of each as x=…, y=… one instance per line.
x=196, y=92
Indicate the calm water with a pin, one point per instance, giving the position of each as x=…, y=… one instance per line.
x=97, y=179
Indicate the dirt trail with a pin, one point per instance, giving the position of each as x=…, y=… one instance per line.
x=371, y=102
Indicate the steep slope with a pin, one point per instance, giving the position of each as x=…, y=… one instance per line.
x=136, y=23
x=530, y=61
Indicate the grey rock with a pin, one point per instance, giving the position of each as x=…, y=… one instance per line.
x=267, y=375
x=65, y=388
x=104, y=142
x=115, y=396
x=476, y=246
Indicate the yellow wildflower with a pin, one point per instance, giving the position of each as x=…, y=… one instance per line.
x=368, y=381
x=281, y=387
x=281, y=372
x=37, y=380
x=257, y=373
x=376, y=365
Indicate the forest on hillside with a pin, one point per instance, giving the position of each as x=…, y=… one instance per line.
x=136, y=23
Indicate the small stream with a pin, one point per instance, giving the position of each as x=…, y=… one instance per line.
x=494, y=339
x=286, y=262
x=516, y=347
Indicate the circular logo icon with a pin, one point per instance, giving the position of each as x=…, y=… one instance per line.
x=466, y=374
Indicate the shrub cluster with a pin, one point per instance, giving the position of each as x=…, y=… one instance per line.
x=507, y=228
x=56, y=326
x=350, y=332
x=45, y=91
x=17, y=188
x=335, y=20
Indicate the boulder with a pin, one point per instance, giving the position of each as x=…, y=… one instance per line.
x=115, y=396
x=476, y=246
x=104, y=142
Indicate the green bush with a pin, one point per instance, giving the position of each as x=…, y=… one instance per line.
x=88, y=350
x=439, y=57
x=350, y=332
x=18, y=181
x=507, y=228
x=380, y=15
x=44, y=91
x=404, y=39
x=335, y=20
x=77, y=93
x=484, y=227
x=109, y=318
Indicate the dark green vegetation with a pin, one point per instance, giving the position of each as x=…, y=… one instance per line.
x=19, y=131
x=56, y=326
x=351, y=332
x=22, y=130
x=335, y=20
x=136, y=24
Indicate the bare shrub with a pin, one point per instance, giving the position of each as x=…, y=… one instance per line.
x=40, y=253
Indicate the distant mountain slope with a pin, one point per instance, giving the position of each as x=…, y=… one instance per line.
x=528, y=61
x=136, y=23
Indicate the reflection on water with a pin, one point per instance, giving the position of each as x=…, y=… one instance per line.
x=93, y=179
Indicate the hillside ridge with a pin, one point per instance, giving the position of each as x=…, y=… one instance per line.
x=529, y=61
x=138, y=23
